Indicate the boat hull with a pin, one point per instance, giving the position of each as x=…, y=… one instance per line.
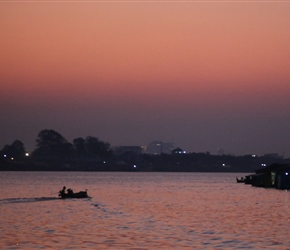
x=82, y=194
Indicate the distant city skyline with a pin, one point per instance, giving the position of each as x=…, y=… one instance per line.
x=157, y=147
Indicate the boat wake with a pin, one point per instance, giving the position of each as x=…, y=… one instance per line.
x=26, y=200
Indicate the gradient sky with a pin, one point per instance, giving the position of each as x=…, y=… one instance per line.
x=202, y=74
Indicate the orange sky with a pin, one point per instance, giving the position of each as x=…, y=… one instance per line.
x=135, y=71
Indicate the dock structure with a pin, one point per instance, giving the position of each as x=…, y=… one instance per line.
x=272, y=176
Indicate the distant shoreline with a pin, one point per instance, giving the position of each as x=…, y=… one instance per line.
x=168, y=163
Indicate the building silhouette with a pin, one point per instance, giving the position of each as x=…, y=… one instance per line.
x=159, y=147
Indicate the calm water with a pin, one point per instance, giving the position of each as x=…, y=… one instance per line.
x=141, y=211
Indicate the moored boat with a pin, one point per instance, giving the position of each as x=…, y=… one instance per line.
x=242, y=180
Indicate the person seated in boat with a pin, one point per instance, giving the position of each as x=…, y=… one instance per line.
x=69, y=191
x=62, y=192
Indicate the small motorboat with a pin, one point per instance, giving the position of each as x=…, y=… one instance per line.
x=70, y=194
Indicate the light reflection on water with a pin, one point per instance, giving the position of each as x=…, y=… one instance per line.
x=141, y=211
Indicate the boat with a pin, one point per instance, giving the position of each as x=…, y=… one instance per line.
x=242, y=180
x=81, y=194
x=70, y=194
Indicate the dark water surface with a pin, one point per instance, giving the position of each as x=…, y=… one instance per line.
x=141, y=211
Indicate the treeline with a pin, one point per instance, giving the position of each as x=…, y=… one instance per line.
x=52, y=145
x=54, y=153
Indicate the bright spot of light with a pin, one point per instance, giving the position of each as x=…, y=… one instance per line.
x=5, y=156
x=286, y=173
x=27, y=154
x=134, y=166
x=12, y=158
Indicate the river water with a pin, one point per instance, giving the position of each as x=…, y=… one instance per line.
x=141, y=211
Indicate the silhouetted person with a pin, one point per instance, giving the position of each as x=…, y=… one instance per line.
x=69, y=191
x=62, y=192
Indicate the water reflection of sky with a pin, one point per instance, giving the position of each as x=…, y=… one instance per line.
x=142, y=211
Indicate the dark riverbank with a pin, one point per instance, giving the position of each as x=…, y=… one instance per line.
x=193, y=162
x=54, y=153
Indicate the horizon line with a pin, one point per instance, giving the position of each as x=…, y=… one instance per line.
x=144, y=1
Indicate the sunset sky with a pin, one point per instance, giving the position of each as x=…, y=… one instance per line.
x=202, y=74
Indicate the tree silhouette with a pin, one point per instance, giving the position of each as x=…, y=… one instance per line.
x=15, y=150
x=96, y=148
x=51, y=144
x=79, y=147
